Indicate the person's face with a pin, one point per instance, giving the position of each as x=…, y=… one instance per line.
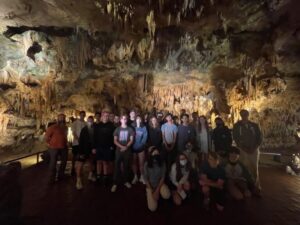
x=244, y=116
x=132, y=114
x=219, y=123
x=97, y=117
x=182, y=157
x=82, y=116
x=233, y=157
x=111, y=117
x=213, y=163
x=105, y=117
x=123, y=120
x=90, y=121
x=154, y=121
x=202, y=120
x=138, y=120
x=185, y=119
x=61, y=119
x=169, y=118
x=117, y=119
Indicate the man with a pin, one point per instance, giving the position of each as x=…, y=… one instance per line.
x=86, y=145
x=111, y=117
x=104, y=144
x=248, y=137
x=132, y=115
x=221, y=138
x=56, y=139
x=186, y=133
x=123, y=139
x=97, y=117
x=169, y=134
x=76, y=128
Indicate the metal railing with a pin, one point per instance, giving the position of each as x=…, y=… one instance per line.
x=26, y=156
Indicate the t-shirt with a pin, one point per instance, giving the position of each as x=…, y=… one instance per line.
x=76, y=128
x=237, y=171
x=123, y=134
x=155, y=137
x=155, y=174
x=169, y=131
x=185, y=134
x=104, y=134
x=213, y=174
x=141, y=135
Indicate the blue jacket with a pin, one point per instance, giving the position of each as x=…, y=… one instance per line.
x=140, y=140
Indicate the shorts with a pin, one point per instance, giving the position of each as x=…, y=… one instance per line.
x=105, y=154
x=137, y=150
x=75, y=149
x=82, y=157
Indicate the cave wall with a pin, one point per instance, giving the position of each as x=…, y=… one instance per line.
x=213, y=57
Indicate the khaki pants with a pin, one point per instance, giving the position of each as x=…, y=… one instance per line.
x=251, y=161
x=152, y=203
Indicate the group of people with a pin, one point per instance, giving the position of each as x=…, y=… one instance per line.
x=169, y=157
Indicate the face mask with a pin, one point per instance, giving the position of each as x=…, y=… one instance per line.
x=183, y=162
x=89, y=124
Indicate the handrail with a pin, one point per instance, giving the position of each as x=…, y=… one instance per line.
x=26, y=156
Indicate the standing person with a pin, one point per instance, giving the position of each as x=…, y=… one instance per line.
x=248, y=138
x=179, y=178
x=76, y=128
x=86, y=145
x=132, y=116
x=169, y=134
x=117, y=121
x=97, y=117
x=154, y=133
x=239, y=181
x=221, y=138
x=104, y=145
x=111, y=117
x=138, y=149
x=154, y=174
x=56, y=139
x=212, y=179
x=123, y=139
x=203, y=137
x=186, y=133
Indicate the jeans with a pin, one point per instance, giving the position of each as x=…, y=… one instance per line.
x=125, y=158
x=54, y=153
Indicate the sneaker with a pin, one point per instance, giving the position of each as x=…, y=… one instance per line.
x=128, y=185
x=142, y=180
x=135, y=179
x=113, y=188
x=92, y=177
x=78, y=184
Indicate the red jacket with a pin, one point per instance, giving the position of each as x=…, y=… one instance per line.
x=56, y=136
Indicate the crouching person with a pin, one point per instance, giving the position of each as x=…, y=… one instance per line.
x=179, y=179
x=154, y=175
x=239, y=180
x=212, y=178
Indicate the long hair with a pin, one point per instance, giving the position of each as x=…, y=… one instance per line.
x=150, y=158
x=188, y=166
x=134, y=124
x=200, y=126
x=151, y=124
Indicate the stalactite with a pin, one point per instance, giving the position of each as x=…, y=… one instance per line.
x=151, y=24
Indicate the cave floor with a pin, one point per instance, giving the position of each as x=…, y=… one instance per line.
x=62, y=204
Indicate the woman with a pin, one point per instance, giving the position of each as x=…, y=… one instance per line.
x=138, y=148
x=203, y=137
x=179, y=178
x=155, y=134
x=154, y=174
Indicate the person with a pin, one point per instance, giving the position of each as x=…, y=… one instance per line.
x=56, y=139
x=154, y=175
x=191, y=155
x=104, y=146
x=85, y=150
x=116, y=121
x=154, y=133
x=221, y=138
x=248, y=138
x=132, y=115
x=169, y=134
x=146, y=120
x=176, y=120
x=138, y=149
x=111, y=117
x=97, y=117
x=186, y=133
x=179, y=178
x=76, y=128
x=239, y=181
x=203, y=137
x=212, y=179
x=123, y=139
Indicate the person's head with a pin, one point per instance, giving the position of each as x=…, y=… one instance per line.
x=153, y=122
x=195, y=116
x=146, y=117
x=132, y=114
x=111, y=117
x=219, y=122
x=244, y=115
x=203, y=120
x=82, y=115
x=61, y=118
x=182, y=111
x=234, y=154
x=169, y=118
x=116, y=119
x=105, y=117
x=138, y=120
x=90, y=121
x=185, y=119
x=182, y=162
x=154, y=157
x=123, y=120
x=213, y=159
x=97, y=116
